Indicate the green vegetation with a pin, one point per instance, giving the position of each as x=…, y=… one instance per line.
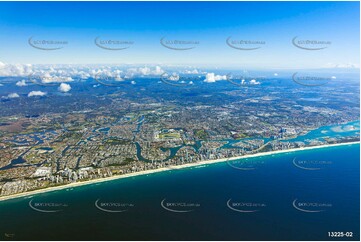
x=169, y=136
x=127, y=161
x=240, y=136
x=201, y=134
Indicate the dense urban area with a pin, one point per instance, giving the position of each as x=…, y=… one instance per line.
x=98, y=131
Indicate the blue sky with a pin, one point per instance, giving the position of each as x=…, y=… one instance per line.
x=209, y=23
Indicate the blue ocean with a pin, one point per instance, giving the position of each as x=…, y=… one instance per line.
x=302, y=195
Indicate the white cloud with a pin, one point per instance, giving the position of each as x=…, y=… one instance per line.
x=64, y=87
x=118, y=78
x=158, y=70
x=195, y=71
x=21, y=83
x=12, y=95
x=15, y=69
x=254, y=82
x=36, y=93
x=342, y=65
x=173, y=77
x=145, y=71
x=211, y=77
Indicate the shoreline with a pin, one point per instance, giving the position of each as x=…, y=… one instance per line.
x=147, y=172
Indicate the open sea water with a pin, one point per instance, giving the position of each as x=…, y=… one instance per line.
x=300, y=195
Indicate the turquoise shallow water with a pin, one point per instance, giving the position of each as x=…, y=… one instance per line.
x=262, y=203
x=332, y=131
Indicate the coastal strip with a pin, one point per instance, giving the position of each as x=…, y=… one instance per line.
x=188, y=165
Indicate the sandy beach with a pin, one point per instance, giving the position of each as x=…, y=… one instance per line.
x=199, y=163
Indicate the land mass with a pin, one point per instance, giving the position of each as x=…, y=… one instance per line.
x=99, y=131
x=169, y=168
